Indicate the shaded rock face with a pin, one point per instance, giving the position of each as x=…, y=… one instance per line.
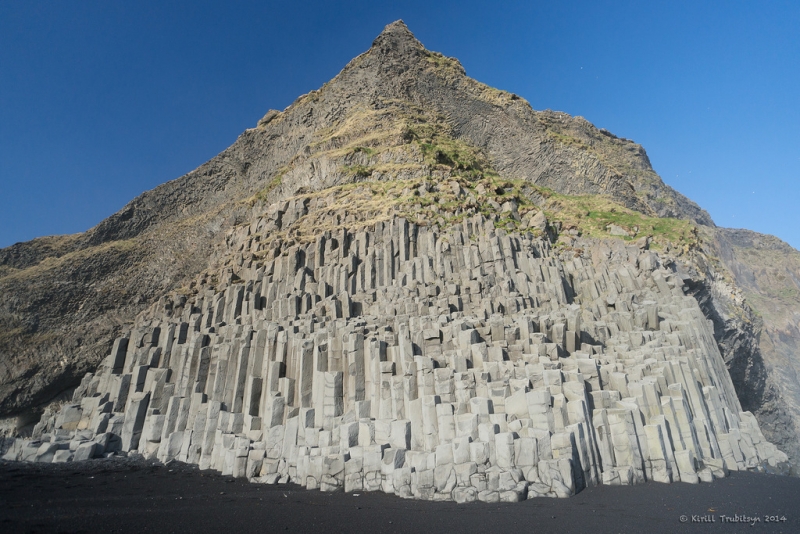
x=767, y=271
x=396, y=113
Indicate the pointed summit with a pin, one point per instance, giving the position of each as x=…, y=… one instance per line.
x=397, y=26
x=397, y=40
x=397, y=31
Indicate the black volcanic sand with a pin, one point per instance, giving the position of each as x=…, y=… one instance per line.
x=128, y=495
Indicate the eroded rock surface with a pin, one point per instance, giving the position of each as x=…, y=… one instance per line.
x=66, y=298
x=464, y=364
x=408, y=281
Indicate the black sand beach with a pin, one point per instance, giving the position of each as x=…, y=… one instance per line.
x=126, y=495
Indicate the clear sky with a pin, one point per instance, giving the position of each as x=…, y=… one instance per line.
x=102, y=100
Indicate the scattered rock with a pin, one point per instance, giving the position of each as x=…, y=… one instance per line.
x=538, y=221
x=617, y=230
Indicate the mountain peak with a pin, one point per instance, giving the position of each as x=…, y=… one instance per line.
x=397, y=38
x=396, y=29
x=319, y=224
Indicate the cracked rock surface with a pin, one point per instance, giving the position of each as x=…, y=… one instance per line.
x=411, y=282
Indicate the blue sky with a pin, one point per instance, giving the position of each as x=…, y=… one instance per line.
x=100, y=101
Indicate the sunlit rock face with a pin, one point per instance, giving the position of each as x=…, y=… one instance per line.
x=406, y=281
x=466, y=363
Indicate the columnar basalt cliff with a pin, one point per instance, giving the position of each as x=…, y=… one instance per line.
x=463, y=364
x=411, y=282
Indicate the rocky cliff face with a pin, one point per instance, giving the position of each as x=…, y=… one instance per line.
x=377, y=143
x=466, y=363
x=762, y=336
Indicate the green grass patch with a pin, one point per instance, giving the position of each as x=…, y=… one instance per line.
x=263, y=195
x=593, y=214
x=439, y=148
